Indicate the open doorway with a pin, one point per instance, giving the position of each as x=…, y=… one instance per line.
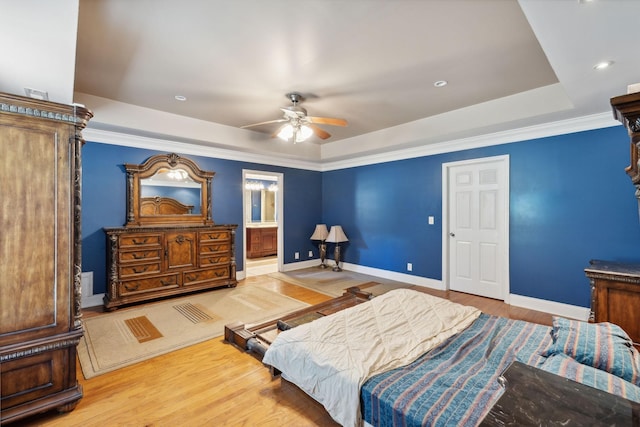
x=262, y=213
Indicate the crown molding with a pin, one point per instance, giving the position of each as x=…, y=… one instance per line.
x=580, y=124
x=157, y=144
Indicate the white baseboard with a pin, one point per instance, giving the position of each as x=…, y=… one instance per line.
x=555, y=308
x=398, y=277
x=546, y=306
x=292, y=266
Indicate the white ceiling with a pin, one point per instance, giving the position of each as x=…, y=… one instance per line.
x=509, y=64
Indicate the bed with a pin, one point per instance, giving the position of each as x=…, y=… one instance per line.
x=409, y=358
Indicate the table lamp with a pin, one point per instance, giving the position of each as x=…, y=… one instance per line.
x=337, y=236
x=321, y=233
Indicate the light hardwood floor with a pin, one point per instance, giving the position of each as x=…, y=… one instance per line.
x=216, y=384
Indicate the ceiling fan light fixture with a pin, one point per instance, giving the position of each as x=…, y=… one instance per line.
x=297, y=133
x=286, y=133
x=304, y=133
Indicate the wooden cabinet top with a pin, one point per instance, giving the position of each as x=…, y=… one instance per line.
x=630, y=271
x=185, y=227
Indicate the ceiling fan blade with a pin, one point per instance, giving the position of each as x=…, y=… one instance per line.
x=327, y=121
x=263, y=123
x=320, y=133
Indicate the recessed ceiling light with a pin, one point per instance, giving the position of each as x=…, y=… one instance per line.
x=440, y=83
x=181, y=98
x=602, y=65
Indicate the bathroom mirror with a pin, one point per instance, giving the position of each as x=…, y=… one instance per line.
x=168, y=189
x=261, y=201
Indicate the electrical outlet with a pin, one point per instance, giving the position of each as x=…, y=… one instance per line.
x=310, y=254
x=409, y=266
x=296, y=255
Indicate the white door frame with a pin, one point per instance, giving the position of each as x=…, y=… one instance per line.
x=504, y=163
x=279, y=213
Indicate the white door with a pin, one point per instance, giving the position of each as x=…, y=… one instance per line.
x=478, y=215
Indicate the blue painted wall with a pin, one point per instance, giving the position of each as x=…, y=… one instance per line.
x=570, y=201
x=104, y=201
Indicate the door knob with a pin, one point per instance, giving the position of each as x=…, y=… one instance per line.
x=452, y=234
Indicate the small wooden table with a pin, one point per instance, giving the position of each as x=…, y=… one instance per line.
x=534, y=397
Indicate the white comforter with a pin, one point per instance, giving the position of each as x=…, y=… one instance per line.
x=330, y=358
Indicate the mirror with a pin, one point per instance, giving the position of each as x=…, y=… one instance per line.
x=171, y=185
x=168, y=189
x=261, y=201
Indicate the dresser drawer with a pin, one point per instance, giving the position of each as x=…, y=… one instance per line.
x=148, y=285
x=139, y=255
x=214, y=259
x=141, y=239
x=200, y=276
x=213, y=248
x=131, y=270
x=207, y=236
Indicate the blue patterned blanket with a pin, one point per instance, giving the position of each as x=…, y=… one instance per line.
x=455, y=384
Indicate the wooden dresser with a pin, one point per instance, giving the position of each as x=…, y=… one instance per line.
x=262, y=241
x=146, y=263
x=172, y=248
x=615, y=295
x=40, y=256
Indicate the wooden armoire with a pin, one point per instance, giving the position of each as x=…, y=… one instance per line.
x=40, y=258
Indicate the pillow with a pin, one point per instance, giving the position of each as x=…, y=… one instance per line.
x=603, y=345
x=563, y=365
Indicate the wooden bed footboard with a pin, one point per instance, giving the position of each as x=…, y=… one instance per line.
x=257, y=338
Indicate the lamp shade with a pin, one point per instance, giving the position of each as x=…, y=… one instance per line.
x=336, y=235
x=320, y=233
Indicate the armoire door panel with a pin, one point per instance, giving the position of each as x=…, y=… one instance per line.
x=35, y=208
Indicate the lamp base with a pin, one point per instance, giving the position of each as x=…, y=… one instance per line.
x=336, y=257
x=323, y=254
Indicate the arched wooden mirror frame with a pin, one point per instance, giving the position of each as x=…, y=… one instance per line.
x=136, y=173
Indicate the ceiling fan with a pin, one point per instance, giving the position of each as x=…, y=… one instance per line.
x=299, y=126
